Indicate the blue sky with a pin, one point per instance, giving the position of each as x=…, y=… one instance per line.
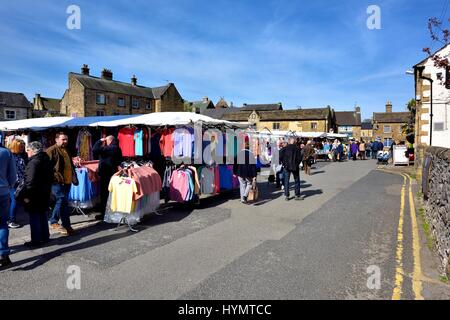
x=300, y=53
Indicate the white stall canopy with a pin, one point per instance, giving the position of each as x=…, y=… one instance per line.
x=169, y=119
x=33, y=124
x=151, y=119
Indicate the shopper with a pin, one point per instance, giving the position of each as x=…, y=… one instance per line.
x=107, y=150
x=37, y=192
x=16, y=147
x=8, y=178
x=354, y=150
x=340, y=151
x=374, y=149
x=64, y=177
x=291, y=157
x=308, y=157
x=362, y=150
x=368, y=149
x=246, y=171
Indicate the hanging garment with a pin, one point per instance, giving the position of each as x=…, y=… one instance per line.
x=155, y=147
x=122, y=194
x=179, y=186
x=216, y=180
x=146, y=141
x=196, y=180
x=126, y=141
x=147, y=181
x=84, y=145
x=166, y=142
x=226, y=177
x=86, y=194
x=183, y=142
x=139, y=142
x=207, y=180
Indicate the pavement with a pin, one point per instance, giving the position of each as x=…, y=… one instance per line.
x=325, y=247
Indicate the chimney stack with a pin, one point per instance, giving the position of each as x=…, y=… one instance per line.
x=134, y=80
x=107, y=74
x=388, y=107
x=37, y=105
x=85, y=70
x=358, y=109
x=205, y=99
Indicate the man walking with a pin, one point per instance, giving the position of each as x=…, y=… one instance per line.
x=8, y=178
x=109, y=153
x=64, y=177
x=291, y=157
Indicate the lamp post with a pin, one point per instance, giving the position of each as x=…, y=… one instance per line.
x=420, y=72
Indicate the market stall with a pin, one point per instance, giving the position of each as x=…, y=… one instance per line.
x=150, y=144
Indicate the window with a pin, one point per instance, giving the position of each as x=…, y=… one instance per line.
x=101, y=99
x=100, y=113
x=116, y=113
x=276, y=126
x=135, y=103
x=387, y=142
x=197, y=110
x=148, y=106
x=10, y=115
x=438, y=126
x=313, y=125
x=447, y=77
x=387, y=129
x=121, y=102
x=345, y=129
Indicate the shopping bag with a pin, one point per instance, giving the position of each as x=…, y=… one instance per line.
x=254, y=193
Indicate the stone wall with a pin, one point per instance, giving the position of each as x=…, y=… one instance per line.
x=437, y=205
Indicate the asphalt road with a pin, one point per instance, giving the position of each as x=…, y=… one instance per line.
x=319, y=248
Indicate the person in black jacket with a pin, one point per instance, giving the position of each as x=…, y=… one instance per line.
x=290, y=158
x=109, y=153
x=37, y=190
x=246, y=171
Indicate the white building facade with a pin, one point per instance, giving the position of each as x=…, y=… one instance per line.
x=440, y=126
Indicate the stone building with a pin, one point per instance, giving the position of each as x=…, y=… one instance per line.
x=388, y=125
x=272, y=117
x=46, y=107
x=200, y=106
x=367, y=130
x=92, y=96
x=349, y=123
x=14, y=106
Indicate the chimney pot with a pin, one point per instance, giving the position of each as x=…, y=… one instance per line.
x=85, y=70
x=107, y=74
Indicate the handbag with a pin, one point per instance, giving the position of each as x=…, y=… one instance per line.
x=310, y=161
x=254, y=193
x=19, y=193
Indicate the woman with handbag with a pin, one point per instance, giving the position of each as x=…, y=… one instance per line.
x=17, y=147
x=36, y=192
